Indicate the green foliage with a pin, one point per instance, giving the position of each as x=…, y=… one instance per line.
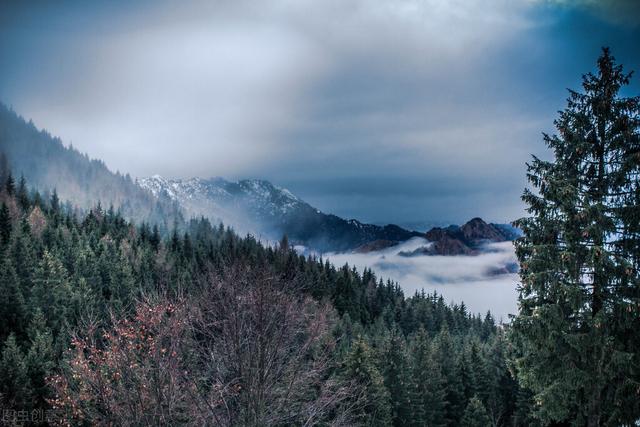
x=5, y=225
x=475, y=415
x=12, y=304
x=39, y=361
x=429, y=385
x=14, y=380
x=397, y=378
x=579, y=322
x=62, y=270
x=372, y=399
x=445, y=354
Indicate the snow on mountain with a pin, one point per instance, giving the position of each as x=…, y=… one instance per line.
x=266, y=210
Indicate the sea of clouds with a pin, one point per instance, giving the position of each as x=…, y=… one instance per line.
x=472, y=279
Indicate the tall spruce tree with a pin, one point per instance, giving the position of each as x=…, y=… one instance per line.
x=430, y=395
x=5, y=224
x=14, y=382
x=579, y=324
x=12, y=303
x=396, y=379
x=373, y=407
x=475, y=415
x=39, y=360
x=445, y=355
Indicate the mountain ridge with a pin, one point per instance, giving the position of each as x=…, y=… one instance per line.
x=255, y=205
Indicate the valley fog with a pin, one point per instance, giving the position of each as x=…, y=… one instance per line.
x=472, y=279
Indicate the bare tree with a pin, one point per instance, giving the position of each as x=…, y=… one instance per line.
x=134, y=374
x=250, y=349
x=268, y=350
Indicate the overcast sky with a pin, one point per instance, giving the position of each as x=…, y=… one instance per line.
x=401, y=111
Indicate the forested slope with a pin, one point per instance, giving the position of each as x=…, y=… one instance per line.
x=48, y=165
x=81, y=294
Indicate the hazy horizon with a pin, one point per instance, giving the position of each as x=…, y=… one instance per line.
x=371, y=111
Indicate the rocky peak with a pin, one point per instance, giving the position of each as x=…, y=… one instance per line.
x=477, y=231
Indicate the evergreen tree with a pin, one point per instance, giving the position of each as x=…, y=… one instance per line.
x=524, y=409
x=283, y=245
x=396, y=371
x=54, y=203
x=501, y=387
x=430, y=387
x=478, y=371
x=155, y=238
x=14, y=381
x=373, y=408
x=39, y=361
x=23, y=194
x=12, y=305
x=579, y=322
x=475, y=415
x=23, y=255
x=467, y=377
x=51, y=292
x=5, y=224
x=445, y=355
x=58, y=270
x=10, y=185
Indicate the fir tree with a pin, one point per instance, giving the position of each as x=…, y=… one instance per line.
x=54, y=203
x=51, y=291
x=5, y=224
x=12, y=305
x=430, y=386
x=14, y=381
x=374, y=408
x=479, y=375
x=39, y=361
x=22, y=194
x=10, y=185
x=579, y=322
x=475, y=415
x=396, y=379
x=155, y=238
x=444, y=355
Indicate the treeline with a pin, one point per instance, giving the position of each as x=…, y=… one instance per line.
x=48, y=165
x=67, y=278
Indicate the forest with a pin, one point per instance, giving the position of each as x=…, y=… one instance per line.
x=107, y=321
x=302, y=340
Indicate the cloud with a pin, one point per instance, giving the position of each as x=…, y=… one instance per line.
x=388, y=111
x=618, y=12
x=458, y=278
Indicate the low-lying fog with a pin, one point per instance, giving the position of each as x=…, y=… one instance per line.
x=473, y=279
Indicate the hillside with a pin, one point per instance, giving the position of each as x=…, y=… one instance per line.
x=193, y=309
x=47, y=165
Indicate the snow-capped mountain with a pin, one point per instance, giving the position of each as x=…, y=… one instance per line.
x=266, y=210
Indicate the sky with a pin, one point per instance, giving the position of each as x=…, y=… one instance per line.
x=404, y=111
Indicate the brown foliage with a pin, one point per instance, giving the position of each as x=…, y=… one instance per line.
x=37, y=221
x=268, y=350
x=134, y=374
x=250, y=349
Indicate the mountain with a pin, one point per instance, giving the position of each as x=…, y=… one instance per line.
x=266, y=210
x=468, y=239
x=250, y=206
x=48, y=165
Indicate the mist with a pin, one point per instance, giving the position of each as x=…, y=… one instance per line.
x=472, y=279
